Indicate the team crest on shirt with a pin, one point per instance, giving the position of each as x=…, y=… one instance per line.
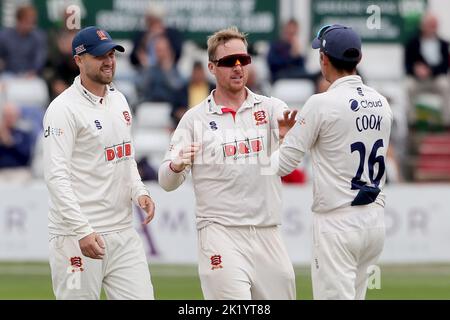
x=127, y=117
x=216, y=262
x=76, y=264
x=260, y=117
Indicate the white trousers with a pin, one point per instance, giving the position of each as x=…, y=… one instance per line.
x=244, y=263
x=123, y=272
x=346, y=244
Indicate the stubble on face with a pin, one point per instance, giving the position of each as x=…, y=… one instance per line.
x=101, y=70
x=104, y=75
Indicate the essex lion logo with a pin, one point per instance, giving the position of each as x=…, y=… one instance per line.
x=216, y=262
x=76, y=263
x=126, y=116
x=101, y=34
x=260, y=117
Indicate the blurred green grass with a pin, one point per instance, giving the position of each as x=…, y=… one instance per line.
x=180, y=282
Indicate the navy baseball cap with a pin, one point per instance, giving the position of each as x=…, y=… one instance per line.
x=94, y=41
x=336, y=39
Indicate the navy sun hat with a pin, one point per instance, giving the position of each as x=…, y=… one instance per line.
x=94, y=41
x=335, y=40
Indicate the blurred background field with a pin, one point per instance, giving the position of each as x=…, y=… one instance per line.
x=180, y=282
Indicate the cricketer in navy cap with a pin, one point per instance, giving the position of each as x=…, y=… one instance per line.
x=336, y=41
x=94, y=41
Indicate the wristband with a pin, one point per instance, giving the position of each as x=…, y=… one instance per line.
x=171, y=168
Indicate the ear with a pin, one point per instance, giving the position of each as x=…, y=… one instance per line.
x=324, y=59
x=78, y=60
x=211, y=68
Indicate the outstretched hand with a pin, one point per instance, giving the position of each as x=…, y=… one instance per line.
x=286, y=123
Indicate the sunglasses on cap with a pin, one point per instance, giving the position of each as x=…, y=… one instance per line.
x=327, y=28
x=234, y=60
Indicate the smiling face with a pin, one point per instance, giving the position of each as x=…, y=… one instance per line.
x=234, y=78
x=99, y=69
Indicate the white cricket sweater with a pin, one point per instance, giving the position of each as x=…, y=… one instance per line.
x=89, y=165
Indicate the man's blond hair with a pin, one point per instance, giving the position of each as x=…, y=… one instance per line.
x=223, y=36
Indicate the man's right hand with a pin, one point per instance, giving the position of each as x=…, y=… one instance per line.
x=422, y=71
x=92, y=246
x=185, y=157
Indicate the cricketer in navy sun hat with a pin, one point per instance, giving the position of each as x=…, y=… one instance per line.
x=94, y=41
x=335, y=40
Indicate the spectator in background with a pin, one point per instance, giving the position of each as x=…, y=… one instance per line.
x=195, y=91
x=146, y=171
x=426, y=63
x=285, y=58
x=15, y=147
x=23, y=49
x=61, y=68
x=199, y=86
x=144, y=45
x=65, y=69
x=163, y=82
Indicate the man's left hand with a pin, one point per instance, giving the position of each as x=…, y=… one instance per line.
x=146, y=204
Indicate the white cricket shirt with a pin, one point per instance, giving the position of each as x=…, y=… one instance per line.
x=89, y=165
x=232, y=177
x=347, y=129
